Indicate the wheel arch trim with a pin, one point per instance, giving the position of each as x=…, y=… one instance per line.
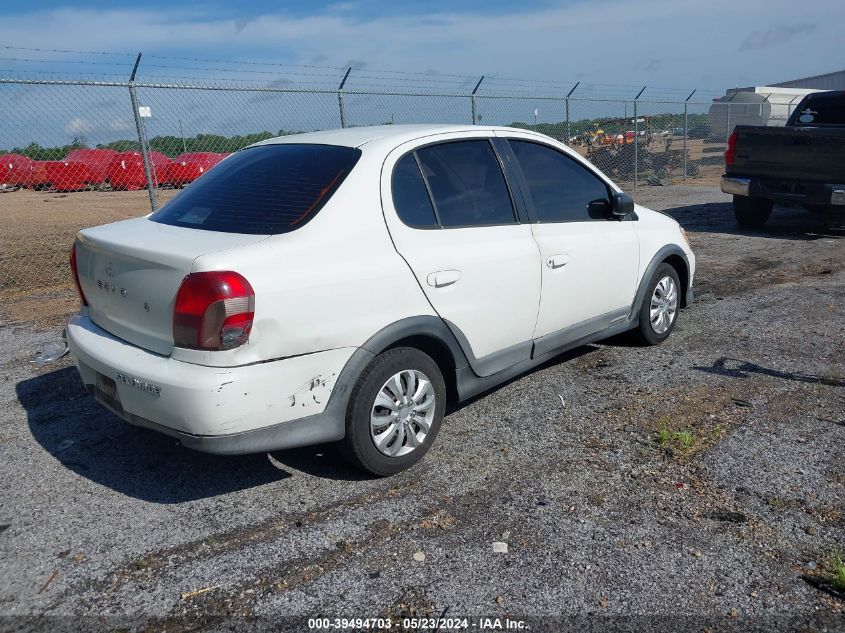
x=666, y=254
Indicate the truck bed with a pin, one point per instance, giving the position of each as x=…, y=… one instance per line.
x=809, y=154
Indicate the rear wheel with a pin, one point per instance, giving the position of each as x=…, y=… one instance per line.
x=659, y=309
x=752, y=212
x=395, y=411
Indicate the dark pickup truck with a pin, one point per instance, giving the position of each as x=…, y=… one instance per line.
x=801, y=164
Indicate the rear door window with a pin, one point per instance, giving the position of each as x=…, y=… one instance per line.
x=262, y=190
x=820, y=109
x=466, y=183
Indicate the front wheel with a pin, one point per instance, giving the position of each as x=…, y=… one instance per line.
x=659, y=309
x=752, y=212
x=394, y=413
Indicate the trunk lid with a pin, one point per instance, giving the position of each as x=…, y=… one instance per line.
x=131, y=271
x=795, y=153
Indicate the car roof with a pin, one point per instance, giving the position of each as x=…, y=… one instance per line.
x=398, y=134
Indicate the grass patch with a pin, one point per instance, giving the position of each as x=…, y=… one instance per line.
x=676, y=439
x=837, y=572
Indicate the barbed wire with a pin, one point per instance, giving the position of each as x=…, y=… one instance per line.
x=491, y=83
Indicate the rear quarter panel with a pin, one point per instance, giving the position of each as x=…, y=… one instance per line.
x=334, y=282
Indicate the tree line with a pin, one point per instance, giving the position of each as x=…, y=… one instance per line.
x=172, y=146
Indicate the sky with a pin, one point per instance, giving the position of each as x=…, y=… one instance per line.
x=612, y=47
x=713, y=44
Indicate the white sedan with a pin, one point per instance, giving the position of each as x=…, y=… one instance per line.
x=345, y=285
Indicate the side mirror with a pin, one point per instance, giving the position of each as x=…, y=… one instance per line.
x=622, y=205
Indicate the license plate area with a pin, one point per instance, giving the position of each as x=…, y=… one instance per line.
x=838, y=196
x=107, y=392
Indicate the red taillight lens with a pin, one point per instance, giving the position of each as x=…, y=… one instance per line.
x=75, y=271
x=213, y=311
x=730, y=152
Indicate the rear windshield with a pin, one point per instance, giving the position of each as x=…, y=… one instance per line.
x=826, y=108
x=262, y=190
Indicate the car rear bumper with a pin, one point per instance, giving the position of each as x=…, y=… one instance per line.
x=285, y=403
x=783, y=190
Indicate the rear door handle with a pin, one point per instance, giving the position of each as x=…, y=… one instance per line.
x=556, y=261
x=443, y=278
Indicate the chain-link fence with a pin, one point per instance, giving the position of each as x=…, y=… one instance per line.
x=81, y=153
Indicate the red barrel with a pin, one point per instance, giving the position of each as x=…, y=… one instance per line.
x=97, y=161
x=37, y=175
x=15, y=170
x=67, y=175
x=186, y=168
x=126, y=170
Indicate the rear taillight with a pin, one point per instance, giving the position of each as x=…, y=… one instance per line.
x=730, y=152
x=214, y=311
x=75, y=271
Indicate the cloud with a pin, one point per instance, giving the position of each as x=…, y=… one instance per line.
x=356, y=64
x=339, y=7
x=775, y=36
x=241, y=24
x=78, y=127
x=550, y=42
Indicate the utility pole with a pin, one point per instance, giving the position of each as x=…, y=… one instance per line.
x=182, y=134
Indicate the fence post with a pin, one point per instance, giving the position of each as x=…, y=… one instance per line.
x=340, y=97
x=728, y=122
x=686, y=130
x=761, y=109
x=472, y=100
x=789, y=106
x=142, y=137
x=636, y=138
x=568, y=130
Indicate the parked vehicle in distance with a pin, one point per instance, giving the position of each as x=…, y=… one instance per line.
x=344, y=285
x=800, y=164
x=186, y=168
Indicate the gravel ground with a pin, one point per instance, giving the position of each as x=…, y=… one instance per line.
x=699, y=479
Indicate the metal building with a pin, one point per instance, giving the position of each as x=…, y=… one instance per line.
x=828, y=81
x=766, y=105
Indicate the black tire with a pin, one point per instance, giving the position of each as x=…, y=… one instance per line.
x=752, y=212
x=358, y=446
x=644, y=333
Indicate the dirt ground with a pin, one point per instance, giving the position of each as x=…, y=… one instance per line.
x=37, y=231
x=39, y=227
x=696, y=485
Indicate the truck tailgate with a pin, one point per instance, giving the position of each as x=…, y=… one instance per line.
x=809, y=154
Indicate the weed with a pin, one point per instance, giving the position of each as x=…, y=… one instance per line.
x=837, y=571
x=682, y=440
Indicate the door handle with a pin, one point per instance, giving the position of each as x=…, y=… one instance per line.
x=443, y=278
x=556, y=261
